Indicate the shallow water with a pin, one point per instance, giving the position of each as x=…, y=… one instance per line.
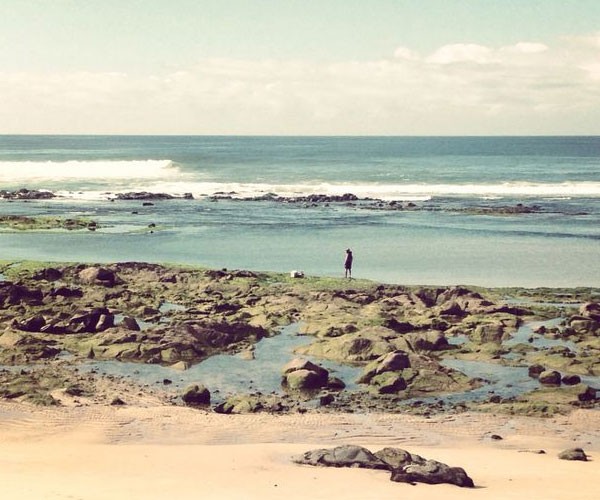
x=229, y=374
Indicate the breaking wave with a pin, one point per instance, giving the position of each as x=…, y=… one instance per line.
x=32, y=172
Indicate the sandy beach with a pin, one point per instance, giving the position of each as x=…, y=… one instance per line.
x=92, y=452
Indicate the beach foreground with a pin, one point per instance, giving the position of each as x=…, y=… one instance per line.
x=155, y=452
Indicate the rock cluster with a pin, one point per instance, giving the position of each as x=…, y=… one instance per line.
x=405, y=467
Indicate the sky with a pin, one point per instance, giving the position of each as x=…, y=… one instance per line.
x=300, y=67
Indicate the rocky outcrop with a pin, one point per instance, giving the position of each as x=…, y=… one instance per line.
x=404, y=466
x=26, y=194
x=196, y=395
x=148, y=196
x=98, y=275
x=549, y=377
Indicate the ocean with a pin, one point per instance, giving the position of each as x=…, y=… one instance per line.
x=457, y=226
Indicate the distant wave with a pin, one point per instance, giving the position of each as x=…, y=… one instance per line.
x=95, y=179
x=27, y=172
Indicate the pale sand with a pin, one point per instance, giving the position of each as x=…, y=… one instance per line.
x=95, y=452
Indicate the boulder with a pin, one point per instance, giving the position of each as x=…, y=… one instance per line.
x=405, y=466
x=196, y=395
x=535, y=370
x=488, y=332
x=303, y=380
x=95, y=320
x=391, y=362
x=590, y=310
x=301, y=374
x=388, y=383
x=130, y=324
x=571, y=379
x=342, y=456
x=585, y=393
x=573, y=454
x=98, y=275
x=32, y=324
x=432, y=340
x=432, y=472
x=549, y=377
x=48, y=274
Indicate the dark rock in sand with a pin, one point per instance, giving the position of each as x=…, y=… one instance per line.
x=405, y=467
x=342, y=456
x=432, y=472
x=573, y=454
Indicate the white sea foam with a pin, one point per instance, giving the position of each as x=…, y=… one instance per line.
x=386, y=191
x=31, y=172
x=101, y=179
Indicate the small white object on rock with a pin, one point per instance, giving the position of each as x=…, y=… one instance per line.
x=296, y=274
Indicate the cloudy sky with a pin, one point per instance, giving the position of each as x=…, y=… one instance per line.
x=341, y=67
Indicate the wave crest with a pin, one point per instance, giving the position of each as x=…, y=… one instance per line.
x=31, y=171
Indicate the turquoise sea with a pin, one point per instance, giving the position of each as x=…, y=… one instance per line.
x=449, y=235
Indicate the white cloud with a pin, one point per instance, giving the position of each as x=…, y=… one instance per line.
x=458, y=89
x=406, y=53
x=462, y=52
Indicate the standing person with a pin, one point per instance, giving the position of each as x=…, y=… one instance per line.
x=348, y=264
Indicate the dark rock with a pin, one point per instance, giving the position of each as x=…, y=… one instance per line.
x=549, y=377
x=33, y=324
x=326, y=400
x=13, y=294
x=67, y=292
x=342, y=456
x=96, y=320
x=432, y=472
x=586, y=393
x=117, y=401
x=398, y=326
x=196, y=395
x=98, y=275
x=304, y=380
x=143, y=195
x=573, y=454
x=47, y=274
x=335, y=383
x=590, y=310
x=388, y=383
x=535, y=370
x=26, y=194
x=130, y=324
x=571, y=379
